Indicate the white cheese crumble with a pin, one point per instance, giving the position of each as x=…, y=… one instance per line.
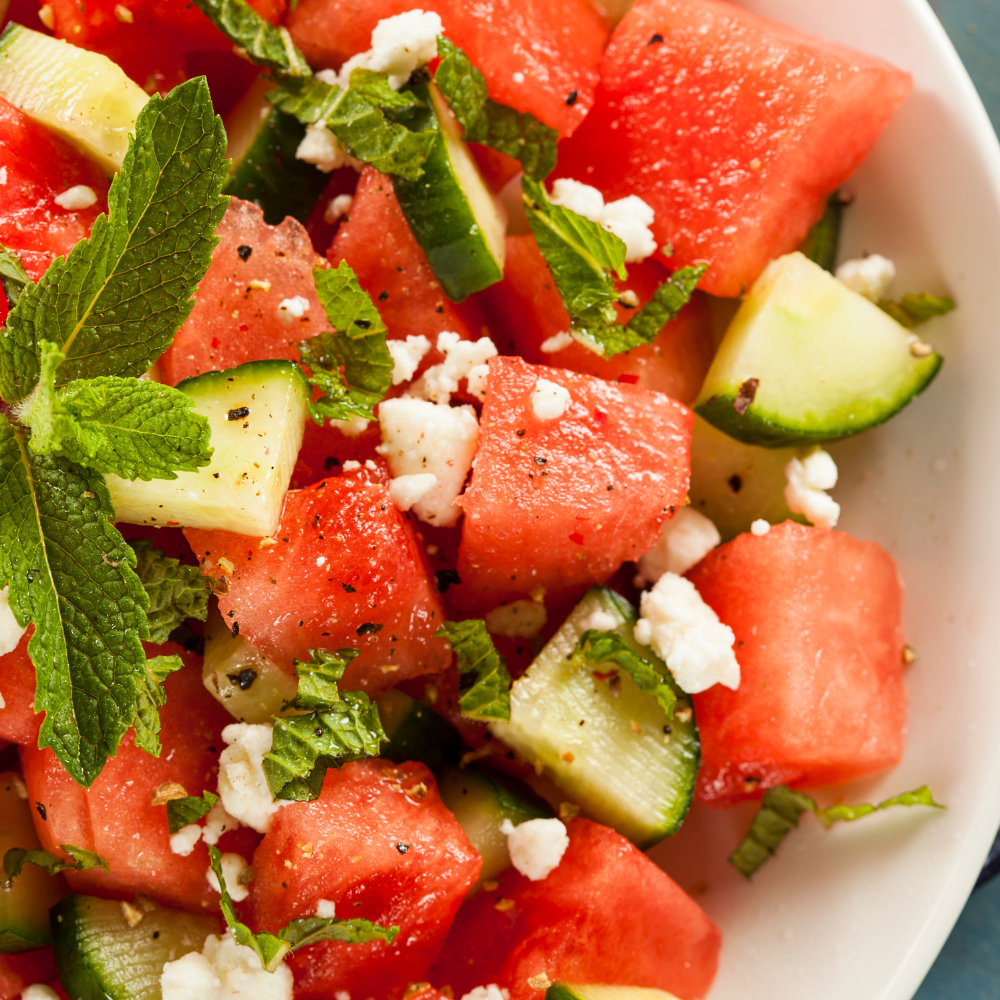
x=406, y=356
x=422, y=437
x=517, y=620
x=868, y=276
x=294, y=308
x=490, y=992
x=184, y=840
x=243, y=786
x=217, y=822
x=222, y=970
x=628, y=218
x=337, y=208
x=687, y=633
x=536, y=847
x=760, y=527
x=557, y=342
x=351, y=465
x=10, y=631
x=39, y=991
x=326, y=909
x=400, y=44
x=461, y=359
x=321, y=147
x=599, y=621
x=549, y=400
x=684, y=541
x=237, y=874
x=353, y=427
x=408, y=490
x=76, y=197
x=808, y=479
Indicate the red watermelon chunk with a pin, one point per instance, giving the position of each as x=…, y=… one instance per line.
x=525, y=310
x=345, y=571
x=819, y=639
x=606, y=914
x=537, y=55
x=733, y=128
x=379, y=844
x=18, y=972
x=325, y=449
x=18, y=721
x=563, y=502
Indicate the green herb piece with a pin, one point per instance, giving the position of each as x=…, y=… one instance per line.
x=821, y=242
x=485, y=683
x=149, y=699
x=271, y=949
x=780, y=811
x=610, y=647
x=912, y=310
x=351, y=366
x=185, y=811
x=176, y=592
x=375, y=89
x=80, y=861
x=13, y=277
x=319, y=678
x=485, y=121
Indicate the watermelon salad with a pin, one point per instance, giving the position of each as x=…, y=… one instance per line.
x=414, y=488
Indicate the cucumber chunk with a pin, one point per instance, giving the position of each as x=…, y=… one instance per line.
x=807, y=360
x=82, y=95
x=568, y=991
x=24, y=907
x=451, y=211
x=100, y=957
x=416, y=732
x=607, y=747
x=257, y=413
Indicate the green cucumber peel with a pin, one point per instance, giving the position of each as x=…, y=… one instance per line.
x=912, y=310
x=823, y=239
x=184, y=811
x=484, y=683
x=81, y=860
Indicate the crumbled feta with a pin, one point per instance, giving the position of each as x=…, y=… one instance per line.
x=294, y=308
x=475, y=382
x=217, y=822
x=517, y=620
x=461, y=358
x=406, y=356
x=370, y=465
x=76, y=197
x=423, y=437
x=557, y=342
x=337, y=208
x=408, y=490
x=10, y=631
x=351, y=465
x=353, y=427
x=628, y=218
x=184, y=840
x=326, y=909
x=491, y=992
x=39, y=991
x=237, y=874
x=684, y=540
x=760, y=527
x=400, y=44
x=549, y=400
x=868, y=276
x=243, y=786
x=687, y=633
x=222, y=970
x=321, y=147
x=536, y=847
x=599, y=621
x=808, y=479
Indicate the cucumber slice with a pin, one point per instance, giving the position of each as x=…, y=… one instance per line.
x=416, y=732
x=451, y=212
x=243, y=488
x=24, y=907
x=82, y=95
x=568, y=991
x=480, y=805
x=262, y=145
x=100, y=957
x=827, y=362
x=605, y=747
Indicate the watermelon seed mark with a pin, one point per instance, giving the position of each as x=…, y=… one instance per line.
x=657, y=39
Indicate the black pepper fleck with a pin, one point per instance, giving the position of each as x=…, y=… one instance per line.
x=239, y=413
x=383, y=295
x=657, y=39
x=571, y=99
x=40, y=809
x=244, y=679
x=735, y=483
x=369, y=628
x=446, y=578
x=244, y=251
x=402, y=848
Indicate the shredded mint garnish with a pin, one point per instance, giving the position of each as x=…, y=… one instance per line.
x=81, y=861
x=150, y=698
x=189, y=809
x=485, y=683
x=609, y=647
x=13, y=277
x=176, y=592
x=912, y=310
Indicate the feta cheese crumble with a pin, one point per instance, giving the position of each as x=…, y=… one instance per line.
x=684, y=541
x=353, y=427
x=243, y=786
x=557, y=342
x=536, y=847
x=688, y=635
x=337, y=208
x=294, y=308
x=223, y=969
x=549, y=400
x=422, y=437
x=462, y=358
x=599, y=621
x=868, y=276
x=237, y=874
x=490, y=992
x=808, y=479
x=406, y=356
x=400, y=44
x=184, y=840
x=217, y=822
x=39, y=991
x=408, y=490
x=760, y=527
x=628, y=218
x=10, y=631
x=76, y=197
x=517, y=620
x=321, y=147
x=326, y=909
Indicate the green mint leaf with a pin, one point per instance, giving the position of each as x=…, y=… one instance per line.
x=485, y=683
x=822, y=241
x=176, y=592
x=71, y=573
x=113, y=305
x=13, y=277
x=609, y=647
x=183, y=812
x=488, y=122
x=264, y=43
x=309, y=100
x=81, y=861
x=356, y=345
x=319, y=677
x=912, y=310
x=779, y=815
x=149, y=699
x=374, y=88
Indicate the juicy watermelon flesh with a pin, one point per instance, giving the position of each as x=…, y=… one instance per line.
x=18, y=721
x=733, y=128
x=18, y=972
x=572, y=926
x=379, y=844
x=345, y=571
x=325, y=449
x=554, y=44
x=819, y=640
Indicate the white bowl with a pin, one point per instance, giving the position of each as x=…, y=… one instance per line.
x=861, y=911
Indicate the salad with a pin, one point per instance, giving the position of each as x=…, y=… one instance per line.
x=413, y=492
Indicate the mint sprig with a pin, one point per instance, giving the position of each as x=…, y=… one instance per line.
x=609, y=647
x=150, y=697
x=81, y=860
x=13, y=277
x=484, y=683
x=189, y=809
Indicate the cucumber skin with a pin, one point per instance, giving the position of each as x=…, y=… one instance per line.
x=425, y=736
x=77, y=978
x=250, y=370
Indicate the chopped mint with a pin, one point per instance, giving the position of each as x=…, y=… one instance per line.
x=485, y=683
x=912, y=310
x=185, y=811
x=80, y=861
x=609, y=647
x=176, y=592
x=13, y=277
x=149, y=699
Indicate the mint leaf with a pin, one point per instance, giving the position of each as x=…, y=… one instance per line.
x=149, y=699
x=113, y=305
x=667, y=301
x=71, y=573
x=176, y=592
x=485, y=683
x=779, y=815
x=271, y=949
x=13, y=277
x=912, y=310
x=374, y=88
x=319, y=677
x=264, y=43
x=823, y=239
x=488, y=122
x=81, y=861
x=351, y=366
x=610, y=647
x=188, y=810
